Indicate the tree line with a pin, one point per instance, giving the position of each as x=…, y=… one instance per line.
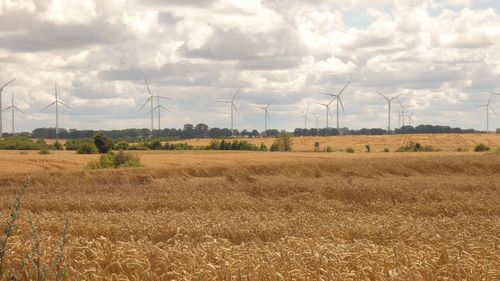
x=190, y=131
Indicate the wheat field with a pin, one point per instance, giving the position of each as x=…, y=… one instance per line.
x=444, y=142
x=255, y=216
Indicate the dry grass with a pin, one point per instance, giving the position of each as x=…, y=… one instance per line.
x=261, y=216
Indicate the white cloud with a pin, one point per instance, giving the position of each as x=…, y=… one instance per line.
x=440, y=54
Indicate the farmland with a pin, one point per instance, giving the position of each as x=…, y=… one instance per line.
x=445, y=142
x=261, y=215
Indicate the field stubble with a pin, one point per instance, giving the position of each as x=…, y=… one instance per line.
x=266, y=216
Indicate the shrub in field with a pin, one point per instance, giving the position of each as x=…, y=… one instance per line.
x=103, y=143
x=386, y=149
x=283, y=143
x=19, y=143
x=349, y=150
x=86, y=147
x=461, y=149
x=177, y=146
x=416, y=147
x=43, y=151
x=122, y=145
x=121, y=159
x=329, y=149
x=154, y=144
x=58, y=146
x=481, y=147
x=368, y=148
x=263, y=147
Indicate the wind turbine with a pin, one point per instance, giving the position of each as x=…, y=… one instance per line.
x=488, y=108
x=1, y=89
x=266, y=116
x=389, y=100
x=306, y=113
x=13, y=107
x=159, y=107
x=328, y=113
x=403, y=107
x=57, y=102
x=151, y=101
x=317, y=123
x=233, y=106
x=339, y=101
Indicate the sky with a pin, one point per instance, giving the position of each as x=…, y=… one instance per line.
x=442, y=57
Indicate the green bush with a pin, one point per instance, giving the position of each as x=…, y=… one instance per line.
x=349, y=150
x=416, y=147
x=263, y=147
x=103, y=143
x=121, y=159
x=58, y=146
x=74, y=144
x=86, y=147
x=329, y=149
x=461, y=149
x=283, y=143
x=154, y=144
x=43, y=151
x=122, y=145
x=481, y=147
x=20, y=143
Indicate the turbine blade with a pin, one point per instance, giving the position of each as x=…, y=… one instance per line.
x=395, y=97
x=61, y=102
x=315, y=116
x=493, y=110
x=261, y=107
x=237, y=92
x=145, y=103
x=5, y=85
x=270, y=104
x=341, y=91
x=48, y=106
x=380, y=93
x=224, y=101
x=147, y=85
x=18, y=109
x=326, y=94
x=160, y=97
x=341, y=105
x=234, y=106
x=320, y=103
x=7, y=108
x=267, y=115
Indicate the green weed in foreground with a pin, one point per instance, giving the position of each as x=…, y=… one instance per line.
x=120, y=159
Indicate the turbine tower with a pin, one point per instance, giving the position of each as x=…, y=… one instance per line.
x=151, y=101
x=1, y=89
x=339, y=101
x=389, y=101
x=159, y=107
x=306, y=113
x=57, y=102
x=13, y=108
x=403, y=107
x=266, y=116
x=410, y=120
x=233, y=106
x=488, y=108
x=317, y=123
x=328, y=113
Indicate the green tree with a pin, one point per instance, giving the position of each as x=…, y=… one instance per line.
x=103, y=143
